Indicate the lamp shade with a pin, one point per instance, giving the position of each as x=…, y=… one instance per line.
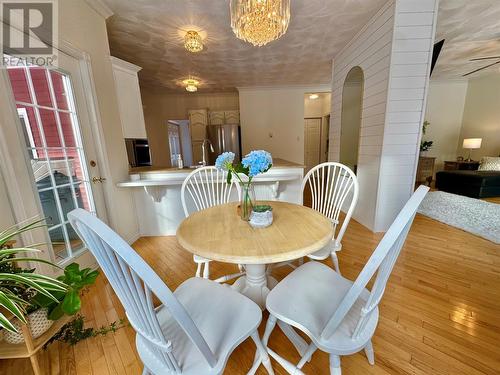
x=471, y=143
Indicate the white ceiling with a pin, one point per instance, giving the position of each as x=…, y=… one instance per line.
x=146, y=33
x=149, y=33
x=471, y=29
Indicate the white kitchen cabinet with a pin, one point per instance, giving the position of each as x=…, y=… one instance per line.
x=129, y=98
x=216, y=118
x=198, y=121
x=231, y=117
x=223, y=117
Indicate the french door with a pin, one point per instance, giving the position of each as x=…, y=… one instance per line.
x=55, y=121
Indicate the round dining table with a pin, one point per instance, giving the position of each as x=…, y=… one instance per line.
x=218, y=233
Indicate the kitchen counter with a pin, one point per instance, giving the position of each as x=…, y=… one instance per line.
x=277, y=164
x=157, y=193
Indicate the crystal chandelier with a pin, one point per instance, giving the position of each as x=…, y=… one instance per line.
x=191, y=84
x=260, y=21
x=193, y=42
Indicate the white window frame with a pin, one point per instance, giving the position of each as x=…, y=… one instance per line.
x=14, y=165
x=23, y=115
x=54, y=188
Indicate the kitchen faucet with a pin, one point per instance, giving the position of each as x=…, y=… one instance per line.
x=203, y=151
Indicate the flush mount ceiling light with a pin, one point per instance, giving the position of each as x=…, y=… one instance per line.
x=260, y=21
x=193, y=42
x=191, y=84
x=313, y=96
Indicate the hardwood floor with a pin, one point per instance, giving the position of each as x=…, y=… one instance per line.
x=440, y=313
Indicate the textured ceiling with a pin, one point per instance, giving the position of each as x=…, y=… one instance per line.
x=146, y=33
x=471, y=29
x=149, y=33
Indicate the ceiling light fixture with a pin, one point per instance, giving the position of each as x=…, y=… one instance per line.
x=260, y=21
x=191, y=84
x=193, y=42
x=313, y=96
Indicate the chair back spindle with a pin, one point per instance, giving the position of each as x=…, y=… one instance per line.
x=330, y=185
x=206, y=187
x=380, y=265
x=135, y=283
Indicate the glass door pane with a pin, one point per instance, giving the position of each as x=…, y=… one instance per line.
x=47, y=111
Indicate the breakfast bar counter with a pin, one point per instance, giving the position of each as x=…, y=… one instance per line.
x=157, y=193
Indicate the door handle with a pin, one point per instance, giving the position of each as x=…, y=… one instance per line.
x=98, y=179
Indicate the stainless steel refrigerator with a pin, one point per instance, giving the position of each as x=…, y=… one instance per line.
x=224, y=138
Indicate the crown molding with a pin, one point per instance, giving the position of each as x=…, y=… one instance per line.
x=100, y=7
x=124, y=65
x=306, y=88
x=442, y=81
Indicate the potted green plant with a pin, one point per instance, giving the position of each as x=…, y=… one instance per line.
x=425, y=146
x=254, y=163
x=261, y=216
x=19, y=285
x=68, y=301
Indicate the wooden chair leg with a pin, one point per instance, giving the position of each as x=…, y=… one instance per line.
x=335, y=261
x=198, y=269
x=370, y=354
x=271, y=323
x=335, y=365
x=307, y=355
x=262, y=352
x=35, y=365
x=206, y=270
x=28, y=341
x=288, y=366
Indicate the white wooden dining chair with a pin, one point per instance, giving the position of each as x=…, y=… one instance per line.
x=331, y=184
x=195, y=328
x=338, y=315
x=203, y=188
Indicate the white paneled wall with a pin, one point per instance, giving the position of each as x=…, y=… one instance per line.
x=370, y=50
x=394, y=50
x=414, y=31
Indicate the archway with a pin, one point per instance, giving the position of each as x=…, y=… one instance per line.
x=352, y=104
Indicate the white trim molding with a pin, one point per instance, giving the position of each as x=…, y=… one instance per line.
x=306, y=88
x=124, y=66
x=100, y=7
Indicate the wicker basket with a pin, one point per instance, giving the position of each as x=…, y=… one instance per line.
x=38, y=324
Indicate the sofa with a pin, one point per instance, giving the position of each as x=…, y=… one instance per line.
x=474, y=184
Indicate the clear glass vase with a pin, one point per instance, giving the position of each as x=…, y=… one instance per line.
x=247, y=201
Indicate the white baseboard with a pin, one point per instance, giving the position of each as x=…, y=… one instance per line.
x=131, y=239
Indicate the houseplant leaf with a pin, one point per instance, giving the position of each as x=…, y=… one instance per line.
x=56, y=313
x=71, y=303
x=7, y=303
x=6, y=324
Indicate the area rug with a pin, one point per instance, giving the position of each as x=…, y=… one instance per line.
x=471, y=215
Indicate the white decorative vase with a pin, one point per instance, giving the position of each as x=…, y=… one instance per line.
x=38, y=324
x=261, y=219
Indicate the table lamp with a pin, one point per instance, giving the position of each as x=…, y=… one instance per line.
x=471, y=144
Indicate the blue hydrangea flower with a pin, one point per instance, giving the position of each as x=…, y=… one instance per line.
x=257, y=162
x=224, y=160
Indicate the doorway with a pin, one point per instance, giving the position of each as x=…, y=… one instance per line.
x=352, y=104
x=55, y=121
x=316, y=128
x=179, y=140
x=312, y=142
